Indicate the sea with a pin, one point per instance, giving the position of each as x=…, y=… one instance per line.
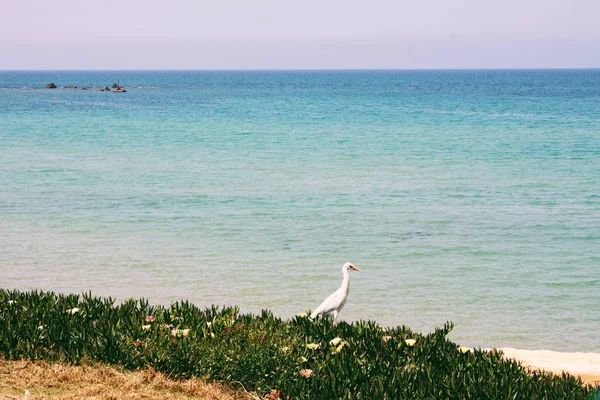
x=470, y=196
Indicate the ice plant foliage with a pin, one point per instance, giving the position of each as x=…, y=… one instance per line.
x=265, y=353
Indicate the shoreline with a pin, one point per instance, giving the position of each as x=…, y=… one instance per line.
x=584, y=365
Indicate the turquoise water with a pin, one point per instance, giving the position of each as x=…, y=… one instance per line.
x=470, y=196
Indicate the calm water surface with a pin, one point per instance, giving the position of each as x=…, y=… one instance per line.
x=469, y=196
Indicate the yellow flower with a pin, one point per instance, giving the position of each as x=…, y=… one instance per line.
x=302, y=315
x=146, y=327
x=386, y=338
x=307, y=373
x=285, y=349
x=41, y=327
x=313, y=346
x=212, y=335
x=180, y=332
x=341, y=346
x=302, y=360
x=464, y=349
x=73, y=311
x=335, y=342
x=410, y=342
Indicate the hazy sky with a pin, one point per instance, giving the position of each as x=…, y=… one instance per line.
x=263, y=34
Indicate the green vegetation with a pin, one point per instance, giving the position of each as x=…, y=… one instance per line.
x=300, y=358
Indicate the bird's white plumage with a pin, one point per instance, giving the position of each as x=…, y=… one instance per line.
x=333, y=304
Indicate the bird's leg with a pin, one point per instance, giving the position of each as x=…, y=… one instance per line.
x=335, y=313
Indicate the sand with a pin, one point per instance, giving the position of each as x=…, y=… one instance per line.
x=584, y=365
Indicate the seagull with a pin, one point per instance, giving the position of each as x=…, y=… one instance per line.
x=335, y=302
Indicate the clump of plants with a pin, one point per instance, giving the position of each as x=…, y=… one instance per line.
x=298, y=358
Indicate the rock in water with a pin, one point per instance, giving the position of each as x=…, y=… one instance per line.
x=51, y=85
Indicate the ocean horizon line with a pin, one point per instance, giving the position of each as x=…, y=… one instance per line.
x=308, y=69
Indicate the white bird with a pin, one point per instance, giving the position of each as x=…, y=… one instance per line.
x=335, y=302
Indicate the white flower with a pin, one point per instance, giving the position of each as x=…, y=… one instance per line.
x=212, y=335
x=410, y=342
x=146, y=327
x=185, y=332
x=386, y=338
x=285, y=349
x=302, y=315
x=209, y=324
x=11, y=302
x=41, y=327
x=73, y=311
x=335, y=341
x=313, y=346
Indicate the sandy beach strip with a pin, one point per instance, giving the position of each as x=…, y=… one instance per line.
x=584, y=365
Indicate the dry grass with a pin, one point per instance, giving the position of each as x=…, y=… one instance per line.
x=20, y=380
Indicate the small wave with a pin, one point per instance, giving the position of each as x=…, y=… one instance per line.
x=593, y=282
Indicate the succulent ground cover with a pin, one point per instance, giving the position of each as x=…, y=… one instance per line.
x=297, y=358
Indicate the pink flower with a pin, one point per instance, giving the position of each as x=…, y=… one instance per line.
x=150, y=318
x=307, y=373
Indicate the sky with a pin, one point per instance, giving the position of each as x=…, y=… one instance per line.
x=301, y=34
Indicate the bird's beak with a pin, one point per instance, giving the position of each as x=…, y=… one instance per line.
x=354, y=268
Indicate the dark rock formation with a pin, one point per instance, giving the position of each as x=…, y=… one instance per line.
x=51, y=85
